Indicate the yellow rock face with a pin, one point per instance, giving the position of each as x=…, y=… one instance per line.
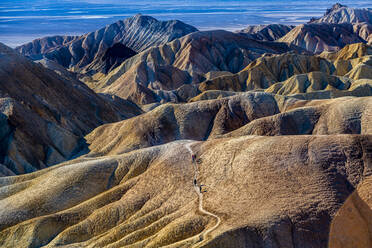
x=352, y=224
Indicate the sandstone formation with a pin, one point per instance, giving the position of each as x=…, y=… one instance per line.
x=268, y=71
x=235, y=116
x=138, y=33
x=44, y=116
x=349, y=52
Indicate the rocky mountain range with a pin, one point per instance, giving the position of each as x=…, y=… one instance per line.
x=347, y=26
x=182, y=138
x=342, y=14
x=77, y=53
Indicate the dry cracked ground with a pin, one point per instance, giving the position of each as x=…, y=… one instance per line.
x=279, y=138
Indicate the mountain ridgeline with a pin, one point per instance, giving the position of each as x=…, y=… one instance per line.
x=137, y=33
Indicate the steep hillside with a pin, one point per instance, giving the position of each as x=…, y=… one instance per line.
x=351, y=226
x=169, y=122
x=268, y=70
x=44, y=116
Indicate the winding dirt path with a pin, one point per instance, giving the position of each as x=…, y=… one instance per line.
x=200, y=194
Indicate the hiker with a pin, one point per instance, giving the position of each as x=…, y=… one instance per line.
x=201, y=189
x=193, y=156
x=195, y=183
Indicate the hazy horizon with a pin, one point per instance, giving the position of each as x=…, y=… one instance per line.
x=22, y=21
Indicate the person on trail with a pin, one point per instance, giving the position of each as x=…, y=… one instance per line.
x=201, y=189
x=193, y=156
x=195, y=183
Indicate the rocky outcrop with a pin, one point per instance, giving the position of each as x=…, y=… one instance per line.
x=138, y=33
x=343, y=14
x=152, y=75
x=282, y=191
x=269, y=32
x=44, y=116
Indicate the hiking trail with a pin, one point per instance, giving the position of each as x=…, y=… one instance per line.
x=200, y=195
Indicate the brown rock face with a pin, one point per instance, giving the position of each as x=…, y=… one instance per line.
x=44, y=116
x=352, y=224
x=268, y=70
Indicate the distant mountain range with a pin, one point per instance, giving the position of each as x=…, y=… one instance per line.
x=78, y=53
x=342, y=14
